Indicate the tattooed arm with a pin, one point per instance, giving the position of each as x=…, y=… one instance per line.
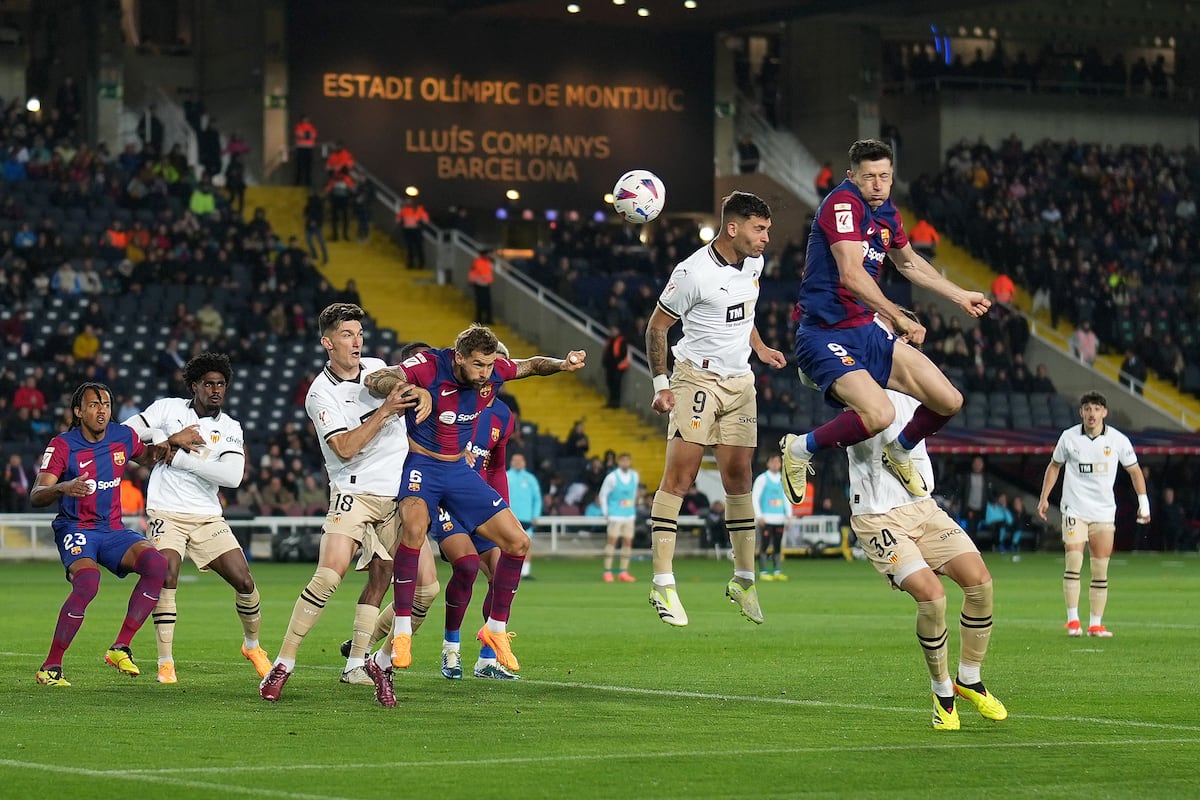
x=381, y=382
x=656, y=354
x=545, y=365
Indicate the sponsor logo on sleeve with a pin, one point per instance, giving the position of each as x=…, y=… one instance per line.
x=844, y=221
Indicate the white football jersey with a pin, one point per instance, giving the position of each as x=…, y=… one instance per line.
x=1090, y=470
x=335, y=405
x=172, y=489
x=874, y=490
x=715, y=300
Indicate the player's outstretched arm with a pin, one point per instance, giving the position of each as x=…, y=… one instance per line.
x=913, y=266
x=856, y=280
x=547, y=365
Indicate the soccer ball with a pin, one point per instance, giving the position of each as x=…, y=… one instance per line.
x=639, y=196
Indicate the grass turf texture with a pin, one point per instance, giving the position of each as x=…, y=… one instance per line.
x=829, y=698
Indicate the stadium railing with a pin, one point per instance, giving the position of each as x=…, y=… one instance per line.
x=30, y=537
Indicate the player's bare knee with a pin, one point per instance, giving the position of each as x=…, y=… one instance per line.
x=517, y=546
x=242, y=584
x=877, y=419
x=953, y=403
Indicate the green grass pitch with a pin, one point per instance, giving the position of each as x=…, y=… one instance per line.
x=829, y=698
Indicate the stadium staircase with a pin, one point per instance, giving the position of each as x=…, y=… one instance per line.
x=416, y=307
x=969, y=271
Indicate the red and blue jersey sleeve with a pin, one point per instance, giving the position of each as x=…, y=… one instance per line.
x=841, y=217
x=56, y=458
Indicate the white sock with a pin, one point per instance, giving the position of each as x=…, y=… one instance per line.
x=799, y=447
x=495, y=626
x=1072, y=615
x=745, y=575
x=898, y=452
x=1094, y=621
x=942, y=688
x=664, y=579
x=484, y=662
x=167, y=660
x=401, y=625
x=382, y=660
x=288, y=663
x=251, y=643
x=354, y=663
x=969, y=673
x=451, y=645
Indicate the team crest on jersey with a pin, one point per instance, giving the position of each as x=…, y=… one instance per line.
x=119, y=458
x=495, y=435
x=1107, y=452
x=76, y=551
x=323, y=415
x=885, y=236
x=848, y=361
x=486, y=391
x=694, y=422
x=414, y=487
x=215, y=437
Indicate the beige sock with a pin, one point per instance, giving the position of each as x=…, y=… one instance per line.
x=309, y=606
x=664, y=524
x=931, y=633
x=975, y=623
x=739, y=519
x=248, y=610
x=164, y=624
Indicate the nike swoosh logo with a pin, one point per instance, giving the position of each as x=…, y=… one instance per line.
x=74, y=616
x=83, y=464
x=497, y=501
x=446, y=392
x=409, y=581
x=870, y=231
x=149, y=597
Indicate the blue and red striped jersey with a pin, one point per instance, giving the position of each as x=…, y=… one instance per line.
x=449, y=429
x=492, y=431
x=844, y=216
x=70, y=455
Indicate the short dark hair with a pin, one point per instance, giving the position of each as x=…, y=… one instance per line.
x=412, y=348
x=476, y=339
x=337, y=313
x=744, y=205
x=77, y=398
x=199, y=366
x=1093, y=398
x=870, y=150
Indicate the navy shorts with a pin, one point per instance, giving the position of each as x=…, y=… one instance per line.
x=446, y=526
x=826, y=354
x=452, y=485
x=104, y=546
